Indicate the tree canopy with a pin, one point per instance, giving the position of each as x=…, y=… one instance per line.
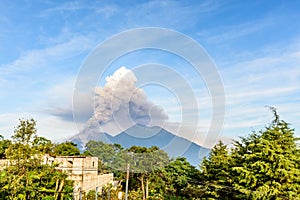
x=66, y=149
x=263, y=165
x=26, y=177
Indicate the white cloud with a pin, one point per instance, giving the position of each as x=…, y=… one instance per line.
x=43, y=58
x=7, y=123
x=41, y=80
x=270, y=78
x=48, y=126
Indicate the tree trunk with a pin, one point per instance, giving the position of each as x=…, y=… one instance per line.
x=147, y=187
x=61, y=188
x=143, y=187
x=56, y=188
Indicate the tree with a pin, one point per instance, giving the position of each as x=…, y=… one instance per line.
x=142, y=160
x=266, y=164
x=43, y=145
x=26, y=177
x=215, y=174
x=146, y=160
x=4, y=144
x=263, y=165
x=178, y=174
x=66, y=149
x=105, y=152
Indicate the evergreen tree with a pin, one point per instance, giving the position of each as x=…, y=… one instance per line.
x=266, y=164
x=215, y=174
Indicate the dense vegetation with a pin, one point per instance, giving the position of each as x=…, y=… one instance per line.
x=263, y=165
x=26, y=177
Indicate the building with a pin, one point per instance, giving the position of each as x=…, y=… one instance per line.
x=4, y=163
x=83, y=170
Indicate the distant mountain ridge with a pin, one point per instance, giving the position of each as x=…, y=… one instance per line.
x=140, y=135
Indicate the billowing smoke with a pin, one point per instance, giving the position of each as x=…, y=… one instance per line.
x=120, y=95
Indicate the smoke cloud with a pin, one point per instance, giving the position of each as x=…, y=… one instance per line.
x=120, y=95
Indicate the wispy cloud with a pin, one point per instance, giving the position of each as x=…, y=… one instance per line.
x=270, y=78
x=231, y=32
x=75, y=6
x=172, y=14
x=68, y=6
x=62, y=33
x=39, y=58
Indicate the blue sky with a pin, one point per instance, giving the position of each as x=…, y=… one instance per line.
x=254, y=44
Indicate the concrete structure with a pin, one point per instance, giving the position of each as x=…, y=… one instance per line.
x=4, y=163
x=83, y=170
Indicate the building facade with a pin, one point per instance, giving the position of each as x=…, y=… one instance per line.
x=83, y=170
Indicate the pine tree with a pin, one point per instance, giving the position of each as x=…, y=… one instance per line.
x=266, y=164
x=215, y=174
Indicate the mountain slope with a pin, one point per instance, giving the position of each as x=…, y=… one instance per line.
x=149, y=136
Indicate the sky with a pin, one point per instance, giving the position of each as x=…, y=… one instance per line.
x=254, y=45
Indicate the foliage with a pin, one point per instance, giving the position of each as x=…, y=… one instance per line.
x=216, y=175
x=26, y=177
x=43, y=145
x=4, y=144
x=145, y=162
x=178, y=174
x=264, y=165
x=66, y=149
x=142, y=160
x=135, y=194
x=105, y=152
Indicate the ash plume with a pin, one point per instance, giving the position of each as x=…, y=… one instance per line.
x=120, y=94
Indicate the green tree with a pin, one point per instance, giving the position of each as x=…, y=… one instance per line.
x=178, y=174
x=145, y=161
x=263, y=165
x=66, y=149
x=26, y=177
x=4, y=144
x=43, y=145
x=106, y=153
x=266, y=164
x=215, y=174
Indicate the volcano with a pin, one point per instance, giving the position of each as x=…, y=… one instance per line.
x=140, y=135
